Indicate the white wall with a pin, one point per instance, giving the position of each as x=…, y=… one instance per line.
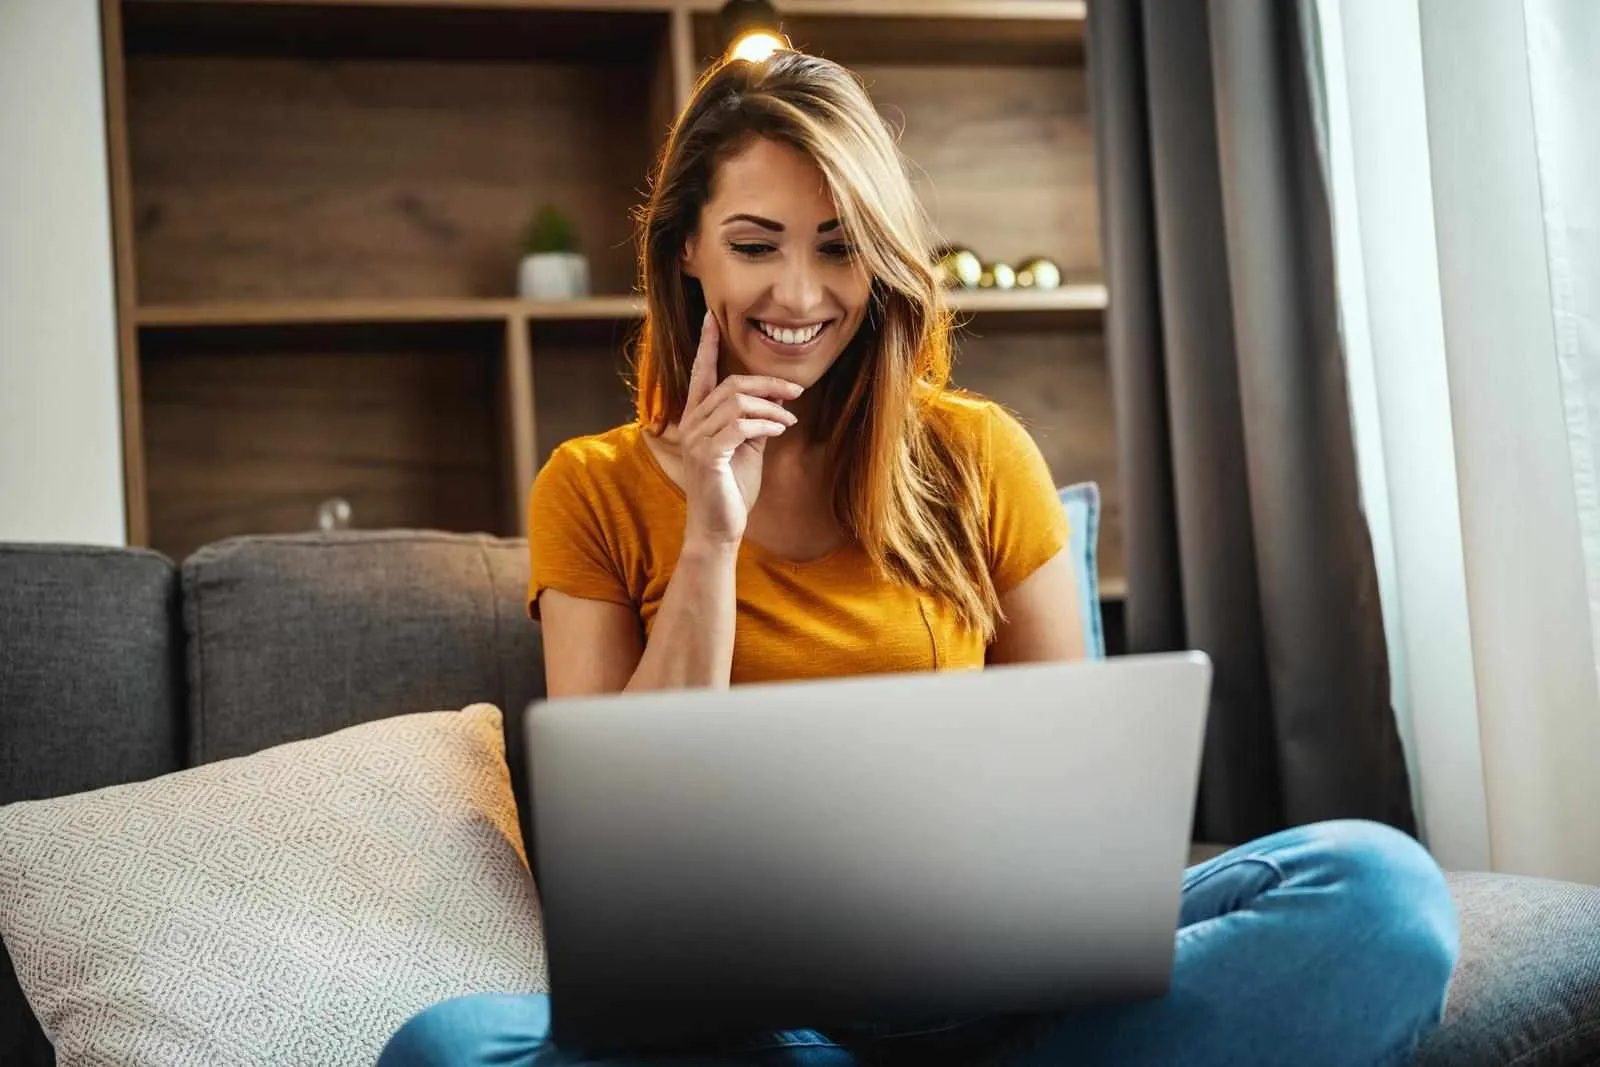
x=60, y=437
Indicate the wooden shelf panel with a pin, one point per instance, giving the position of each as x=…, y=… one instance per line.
x=987, y=303
x=1082, y=298
x=318, y=312
x=933, y=34
x=395, y=29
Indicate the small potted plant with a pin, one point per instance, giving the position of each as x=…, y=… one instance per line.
x=552, y=267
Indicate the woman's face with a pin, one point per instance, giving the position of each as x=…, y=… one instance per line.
x=775, y=266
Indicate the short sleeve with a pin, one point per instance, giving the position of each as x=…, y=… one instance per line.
x=1027, y=524
x=567, y=543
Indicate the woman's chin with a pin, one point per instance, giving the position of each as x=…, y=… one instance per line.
x=804, y=369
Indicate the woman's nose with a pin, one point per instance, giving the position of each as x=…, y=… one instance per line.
x=799, y=288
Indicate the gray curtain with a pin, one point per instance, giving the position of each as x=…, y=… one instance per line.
x=1242, y=519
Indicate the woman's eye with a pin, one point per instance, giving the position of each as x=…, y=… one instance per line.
x=752, y=250
x=838, y=250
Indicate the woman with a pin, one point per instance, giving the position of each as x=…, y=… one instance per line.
x=802, y=495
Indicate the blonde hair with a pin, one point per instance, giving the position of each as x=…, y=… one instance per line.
x=904, y=486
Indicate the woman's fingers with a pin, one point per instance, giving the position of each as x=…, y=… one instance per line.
x=696, y=417
x=744, y=406
x=760, y=385
x=703, y=373
x=725, y=426
x=739, y=431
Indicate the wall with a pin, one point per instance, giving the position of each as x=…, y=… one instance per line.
x=60, y=443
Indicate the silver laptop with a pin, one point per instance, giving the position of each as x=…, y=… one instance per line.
x=864, y=850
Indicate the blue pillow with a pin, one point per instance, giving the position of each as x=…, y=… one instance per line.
x=1082, y=502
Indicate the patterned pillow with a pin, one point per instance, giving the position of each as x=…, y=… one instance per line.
x=290, y=907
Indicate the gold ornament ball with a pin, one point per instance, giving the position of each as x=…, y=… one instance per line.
x=1039, y=273
x=960, y=268
x=997, y=275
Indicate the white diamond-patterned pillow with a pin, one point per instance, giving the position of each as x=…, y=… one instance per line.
x=291, y=907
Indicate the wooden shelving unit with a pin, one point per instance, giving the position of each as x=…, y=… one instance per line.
x=315, y=206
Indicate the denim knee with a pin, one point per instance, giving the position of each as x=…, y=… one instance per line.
x=1395, y=895
x=422, y=1041
x=468, y=1030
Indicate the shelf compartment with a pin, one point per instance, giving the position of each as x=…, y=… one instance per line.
x=284, y=178
x=248, y=430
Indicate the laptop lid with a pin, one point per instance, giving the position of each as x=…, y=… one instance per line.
x=895, y=847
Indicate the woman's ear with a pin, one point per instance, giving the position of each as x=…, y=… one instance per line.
x=691, y=248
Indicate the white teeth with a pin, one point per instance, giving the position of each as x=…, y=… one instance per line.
x=786, y=336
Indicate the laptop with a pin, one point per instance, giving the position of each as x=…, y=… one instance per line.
x=865, y=850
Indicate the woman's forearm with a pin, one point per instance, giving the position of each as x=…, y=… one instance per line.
x=691, y=643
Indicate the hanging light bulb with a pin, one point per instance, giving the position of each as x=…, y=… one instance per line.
x=755, y=46
x=749, y=30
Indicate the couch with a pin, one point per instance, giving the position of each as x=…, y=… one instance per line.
x=118, y=666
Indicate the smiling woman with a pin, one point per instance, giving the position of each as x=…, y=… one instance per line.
x=803, y=495
x=775, y=263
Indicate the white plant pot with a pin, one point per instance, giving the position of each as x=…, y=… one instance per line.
x=553, y=276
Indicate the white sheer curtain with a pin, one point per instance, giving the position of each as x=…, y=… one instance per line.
x=1465, y=164
x=1563, y=42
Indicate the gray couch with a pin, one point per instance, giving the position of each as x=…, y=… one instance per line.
x=116, y=666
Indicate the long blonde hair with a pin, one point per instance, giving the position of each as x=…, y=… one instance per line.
x=905, y=487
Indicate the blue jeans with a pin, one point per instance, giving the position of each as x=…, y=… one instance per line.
x=1325, y=944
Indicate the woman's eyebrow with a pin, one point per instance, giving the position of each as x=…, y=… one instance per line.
x=774, y=226
x=765, y=224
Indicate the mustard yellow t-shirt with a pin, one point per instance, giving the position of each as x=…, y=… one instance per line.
x=606, y=522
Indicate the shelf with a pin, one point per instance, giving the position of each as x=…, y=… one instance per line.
x=1083, y=298
x=330, y=312
x=1113, y=589
x=999, y=10
x=396, y=29
x=1068, y=300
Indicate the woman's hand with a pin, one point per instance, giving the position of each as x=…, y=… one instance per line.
x=721, y=439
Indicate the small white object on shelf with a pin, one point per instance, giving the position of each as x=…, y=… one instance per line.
x=553, y=276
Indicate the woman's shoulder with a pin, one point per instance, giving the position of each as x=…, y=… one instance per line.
x=974, y=420
x=604, y=457
x=598, y=468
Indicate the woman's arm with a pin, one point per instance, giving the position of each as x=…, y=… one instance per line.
x=1042, y=622
x=593, y=646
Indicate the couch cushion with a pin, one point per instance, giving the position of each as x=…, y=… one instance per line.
x=90, y=695
x=294, y=636
x=295, y=906
x=1527, y=989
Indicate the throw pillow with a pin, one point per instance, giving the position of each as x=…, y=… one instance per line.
x=1082, y=502
x=294, y=906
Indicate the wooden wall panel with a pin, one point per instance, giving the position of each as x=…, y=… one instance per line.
x=281, y=178
x=1002, y=157
x=864, y=40
x=583, y=373
x=248, y=432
